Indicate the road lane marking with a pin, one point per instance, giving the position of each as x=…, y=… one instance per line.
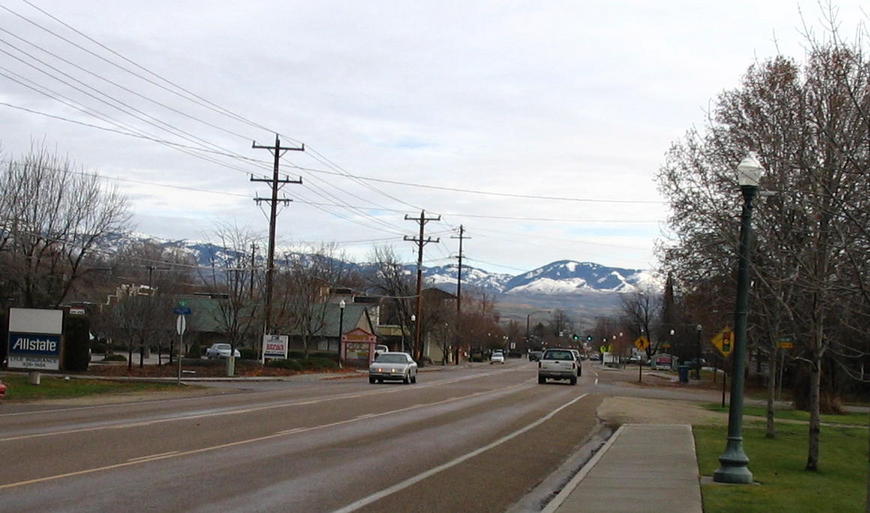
x=176, y=454
x=152, y=456
x=338, y=397
x=419, y=477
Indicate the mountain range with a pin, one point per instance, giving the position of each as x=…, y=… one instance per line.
x=585, y=288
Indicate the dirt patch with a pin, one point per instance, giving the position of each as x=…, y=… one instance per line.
x=635, y=410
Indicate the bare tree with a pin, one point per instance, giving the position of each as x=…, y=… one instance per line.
x=398, y=288
x=639, y=310
x=305, y=289
x=53, y=218
x=229, y=284
x=808, y=124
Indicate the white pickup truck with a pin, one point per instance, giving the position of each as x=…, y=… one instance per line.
x=558, y=364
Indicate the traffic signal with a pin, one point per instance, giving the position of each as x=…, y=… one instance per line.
x=575, y=337
x=588, y=338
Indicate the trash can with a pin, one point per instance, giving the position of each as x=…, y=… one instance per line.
x=684, y=373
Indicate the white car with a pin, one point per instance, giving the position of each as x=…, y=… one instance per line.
x=221, y=350
x=393, y=366
x=497, y=357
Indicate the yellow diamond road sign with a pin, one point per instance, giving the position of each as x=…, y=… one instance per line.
x=724, y=341
x=641, y=343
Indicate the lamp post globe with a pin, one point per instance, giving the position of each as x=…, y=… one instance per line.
x=734, y=464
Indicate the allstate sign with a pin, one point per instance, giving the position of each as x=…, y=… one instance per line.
x=35, y=340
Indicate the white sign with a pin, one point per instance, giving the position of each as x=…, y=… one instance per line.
x=275, y=346
x=180, y=324
x=35, y=338
x=34, y=362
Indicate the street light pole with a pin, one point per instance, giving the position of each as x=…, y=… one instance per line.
x=698, y=328
x=341, y=305
x=734, y=462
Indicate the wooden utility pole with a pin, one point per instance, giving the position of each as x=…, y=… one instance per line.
x=461, y=237
x=275, y=184
x=422, y=220
x=253, y=266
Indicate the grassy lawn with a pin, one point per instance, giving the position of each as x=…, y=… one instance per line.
x=858, y=419
x=57, y=388
x=778, y=465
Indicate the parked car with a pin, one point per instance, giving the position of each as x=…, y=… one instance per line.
x=558, y=364
x=393, y=366
x=2, y=390
x=595, y=357
x=221, y=350
x=380, y=349
x=496, y=357
x=534, y=356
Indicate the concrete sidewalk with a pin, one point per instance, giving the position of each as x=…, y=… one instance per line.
x=642, y=468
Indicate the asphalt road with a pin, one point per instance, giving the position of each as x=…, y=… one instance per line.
x=469, y=439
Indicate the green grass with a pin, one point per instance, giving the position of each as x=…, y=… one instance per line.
x=856, y=419
x=57, y=388
x=778, y=465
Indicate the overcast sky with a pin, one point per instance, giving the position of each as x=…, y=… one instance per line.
x=575, y=100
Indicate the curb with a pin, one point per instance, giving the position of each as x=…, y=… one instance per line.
x=557, y=501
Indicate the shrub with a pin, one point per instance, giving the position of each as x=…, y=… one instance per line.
x=318, y=364
x=194, y=352
x=199, y=362
x=77, y=331
x=116, y=357
x=249, y=354
x=285, y=364
x=99, y=346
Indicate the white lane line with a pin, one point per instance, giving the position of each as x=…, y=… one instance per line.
x=596, y=381
x=152, y=457
x=419, y=477
x=286, y=432
x=143, y=423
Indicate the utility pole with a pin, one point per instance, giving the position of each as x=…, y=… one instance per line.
x=253, y=266
x=459, y=289
x=422, y=220
x=275, y=184
x=151, y=269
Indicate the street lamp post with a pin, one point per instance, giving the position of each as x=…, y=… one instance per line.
x=341, y=305
x=698, y=329
x=413, y=325
x=734, y=462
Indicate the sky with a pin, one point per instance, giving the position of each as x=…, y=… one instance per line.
x=537, y=126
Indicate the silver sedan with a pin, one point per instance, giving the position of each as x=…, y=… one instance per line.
x=396, y=366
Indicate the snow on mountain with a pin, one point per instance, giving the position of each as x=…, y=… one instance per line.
x=560, y=278
x=444, y=277
x=571, y=277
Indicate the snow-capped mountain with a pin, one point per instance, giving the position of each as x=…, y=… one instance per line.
x=445, y=277
x=571, y=277
x=561, y=278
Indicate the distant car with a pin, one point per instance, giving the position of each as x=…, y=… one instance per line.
x=595, y=357
x=380, y=349
x=2, y=390
x=558, y=364
x=221, y=350
x=496, y=357
x=535, y=355
x=393, y=366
